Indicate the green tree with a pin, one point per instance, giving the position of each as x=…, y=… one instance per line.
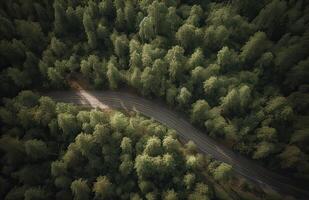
x=170, y=195
x=90, y=29
x=130, y=16
x=148, y=81
x=255, y=47
x=188, y=35
x=14, y=149
x=60, y=18
x=176, y=59
x=36, y=149
x=135, y=78
x=7, y=29
x=113, y=75
x=263, y=150
x=196, y=15
x=291, y=156
x=35, y=194
x=80, y=189
x=184, y=96
x=20, y=78
x=189, y=180
x=199, y=111
x=237, y=100
x=119, y=121
x=157, y=12
x=215, y=37
x=171, y=95
x=121, y=45
x=153, y=146
x=102, y=187
x=147, y=29
x=31, y=34
x=68, y=124
x=271, y=18
x=227, y=59
x=196, y=59
x=222, y=172
x=84, y=143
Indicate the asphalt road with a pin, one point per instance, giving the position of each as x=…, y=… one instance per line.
x=241, y=165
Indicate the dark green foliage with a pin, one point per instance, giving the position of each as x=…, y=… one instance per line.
x=238, y=68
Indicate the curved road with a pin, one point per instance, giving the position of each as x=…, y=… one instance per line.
x=242, y=166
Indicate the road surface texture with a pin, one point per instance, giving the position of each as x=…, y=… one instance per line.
x=241, y=165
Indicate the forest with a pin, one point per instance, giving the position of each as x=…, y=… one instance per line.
x=238, y=69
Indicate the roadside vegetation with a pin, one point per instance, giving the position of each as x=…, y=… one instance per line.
x=238, y=69
x=61, y=151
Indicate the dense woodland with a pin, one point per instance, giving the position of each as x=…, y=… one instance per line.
x=238, y=69
x=61, y=151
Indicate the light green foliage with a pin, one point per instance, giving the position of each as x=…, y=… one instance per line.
x=113, y=74
x=236, y=100
x=130, y=14
x=157, y=12
x=153, y=146
x=194, y=162
x=57, y=47
x=126, y=145
x=279, y=109
x=255, y=46
x=121, y=45
x=214, y=87
x=189, y=180
x=267, y=134
x=80, y=189
x=263, y=150
x=171, y=94
x=176, y=59
x=135, y=79
x=170, y=195
x=215, y=37
x=147, y=29
x=196, y=15
x=196, y=59
x=199, y=111
x=227, y=59
x=84, y=143
x=170, y=144
x=68, y=123
x=102, y=187
x=188, y=35
x=222, y=172
x=119, y=121
x=200, y=192
x=184, y=96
